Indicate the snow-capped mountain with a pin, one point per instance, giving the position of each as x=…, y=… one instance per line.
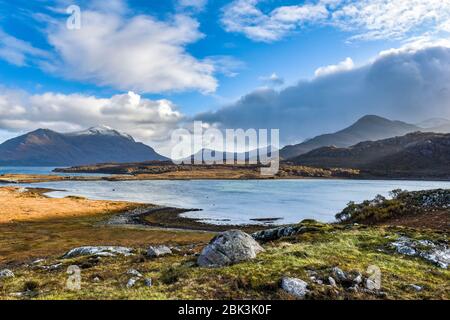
x=101, y=130
x=102, y=144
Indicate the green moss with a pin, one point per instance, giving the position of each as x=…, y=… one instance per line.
x=177, y=277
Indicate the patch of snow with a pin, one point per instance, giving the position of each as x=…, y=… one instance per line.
x=101, y=130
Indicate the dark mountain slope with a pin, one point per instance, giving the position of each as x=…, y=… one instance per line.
x=367, y=128
x=413, y=155
x=96, y=145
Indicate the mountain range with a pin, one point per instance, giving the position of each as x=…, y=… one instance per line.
x=367, y=128
x=101, y=144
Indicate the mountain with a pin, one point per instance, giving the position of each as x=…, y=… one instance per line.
x=208, y=155
x=102, y=144
x=416, y=154
x=369, y=127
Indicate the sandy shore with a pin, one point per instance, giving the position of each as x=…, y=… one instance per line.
x=19, y=204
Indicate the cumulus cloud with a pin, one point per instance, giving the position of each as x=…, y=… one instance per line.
x=409, y=85
x=147, y=120
x=366, y=19
x=345, y=65
x=117, y=49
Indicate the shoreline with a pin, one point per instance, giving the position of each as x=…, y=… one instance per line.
x=13, y=179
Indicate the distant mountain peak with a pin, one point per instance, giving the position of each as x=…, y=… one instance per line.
x=101, y=130
x=368, y=127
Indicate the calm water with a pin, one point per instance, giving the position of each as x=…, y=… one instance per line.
x=239, y=201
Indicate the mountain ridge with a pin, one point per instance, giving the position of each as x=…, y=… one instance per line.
x=45, y=147
x=368, y=127
x=415, y=154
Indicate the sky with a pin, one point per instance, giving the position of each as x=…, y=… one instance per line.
x=147, y=67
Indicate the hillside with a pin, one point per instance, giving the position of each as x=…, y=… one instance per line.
x=45, y=147
x=369, y=127
x=413, y=155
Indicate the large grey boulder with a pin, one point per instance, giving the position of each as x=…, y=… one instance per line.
x=228, y=248
x=296, y=287
x=103, y=251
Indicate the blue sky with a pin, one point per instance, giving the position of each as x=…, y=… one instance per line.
x=185, y=58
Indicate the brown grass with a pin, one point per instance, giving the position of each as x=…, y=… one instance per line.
x=31, y=206
x=34, y=226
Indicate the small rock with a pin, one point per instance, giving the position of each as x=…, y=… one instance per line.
x=148, y=282
x=332, y=282
x=133, y=272
x=96, y=279
x=415, y=287
x=353, y=289
x=228, y=248
x=371, y=285
x=294, y=286
x=53, y=267
x=131, y=282
x=38, y=261
x=358, y=279
x=339, y=275
x=158, y=251
x=6, y=273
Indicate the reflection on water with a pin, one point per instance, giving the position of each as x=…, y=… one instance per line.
x=241, y=200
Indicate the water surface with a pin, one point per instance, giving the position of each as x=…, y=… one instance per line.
x=239, y=201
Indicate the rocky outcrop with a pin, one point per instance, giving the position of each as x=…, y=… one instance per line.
x=104, y=251
x=438, y=254
x=228, y=248
x=287, y=231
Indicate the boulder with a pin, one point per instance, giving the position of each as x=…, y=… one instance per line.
x=131, y=283
x=148, y=282
x=332, y=282
x=228, y=248
x=158, y=251
x=339, y=275
x=134, y=272
x=295, y=287
x=6, y=273
x=104, y=251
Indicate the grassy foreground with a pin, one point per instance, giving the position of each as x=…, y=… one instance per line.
x=177, y=276
x=350, y=247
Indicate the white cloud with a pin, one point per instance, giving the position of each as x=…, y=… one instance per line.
x=195, y=4
x=345, y=65
x=272, y=80
x=126, y=52
x=243, y=16
x=226, y=65
x=389, y=19
x=409, y=85
x=147, y=120
x=16, y=51
x=364, y=19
